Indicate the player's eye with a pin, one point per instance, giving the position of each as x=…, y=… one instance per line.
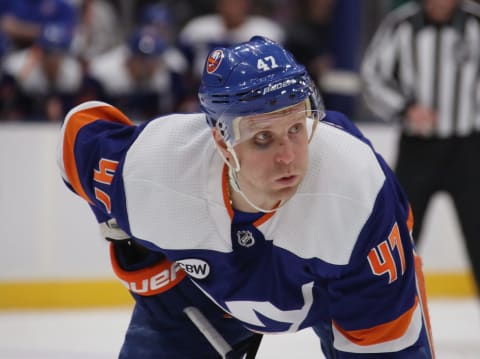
x=263, y=138
x=296, y=128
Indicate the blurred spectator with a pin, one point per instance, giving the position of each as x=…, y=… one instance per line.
x=44, y=77
x=309, y=38
x=231, y=23
x=5, y=6
x=98, y=29
x=159, y=17
x=24, y=20
x=180, y=10
x=141, y=77
x=7, y=84
x=325, y=35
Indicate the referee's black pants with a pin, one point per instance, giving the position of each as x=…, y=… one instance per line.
x=427, y=166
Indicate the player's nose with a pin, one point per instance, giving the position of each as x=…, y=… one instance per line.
x=285, y=153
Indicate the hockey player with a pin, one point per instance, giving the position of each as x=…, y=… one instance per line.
x=281, y=213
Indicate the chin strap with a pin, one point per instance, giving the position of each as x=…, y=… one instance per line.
x=233, y=177
x=233, y=180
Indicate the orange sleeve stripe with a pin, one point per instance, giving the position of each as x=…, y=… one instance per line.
x=75, y=123
x=381, y=333
x=423, y=296
x=410, y=219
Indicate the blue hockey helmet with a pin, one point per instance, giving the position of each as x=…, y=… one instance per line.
x=255, y=77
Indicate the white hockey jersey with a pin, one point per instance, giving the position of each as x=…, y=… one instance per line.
x=337, y=257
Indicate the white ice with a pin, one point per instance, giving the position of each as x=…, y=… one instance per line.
x=98, y=334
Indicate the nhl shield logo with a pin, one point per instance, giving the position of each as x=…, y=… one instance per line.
x=245, y=238
x=214, y=61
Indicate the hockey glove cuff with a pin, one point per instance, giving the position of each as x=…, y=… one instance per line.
x=151, y=280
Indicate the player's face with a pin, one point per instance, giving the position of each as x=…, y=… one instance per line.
x=273, y=160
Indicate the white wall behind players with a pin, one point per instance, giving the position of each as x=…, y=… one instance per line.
x=47, y=233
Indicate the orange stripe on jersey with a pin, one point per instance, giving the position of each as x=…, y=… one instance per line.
x=410, y=219
x=152, y=280
x=423, y=296
x=226, y=192
x=264, y=218
x=380, y=333
x=75, y=123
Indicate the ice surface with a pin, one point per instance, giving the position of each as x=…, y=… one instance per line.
x=98, y=334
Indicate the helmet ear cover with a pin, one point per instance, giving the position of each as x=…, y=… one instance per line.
x=255, y=77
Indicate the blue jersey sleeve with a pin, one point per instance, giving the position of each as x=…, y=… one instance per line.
x=374, y=301
x=383, y=271
x=95, y=139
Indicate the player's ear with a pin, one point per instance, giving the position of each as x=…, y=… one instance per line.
x=220, y=142
x=226, y=151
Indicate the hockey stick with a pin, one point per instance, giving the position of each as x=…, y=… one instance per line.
x=208, y=331
x=253, y=349
x=217, y=340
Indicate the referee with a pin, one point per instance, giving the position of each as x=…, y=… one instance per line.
x=422, y=68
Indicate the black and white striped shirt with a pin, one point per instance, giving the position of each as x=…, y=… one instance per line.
x=411, y=60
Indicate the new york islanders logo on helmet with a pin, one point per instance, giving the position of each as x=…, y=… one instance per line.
x=214, y=60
